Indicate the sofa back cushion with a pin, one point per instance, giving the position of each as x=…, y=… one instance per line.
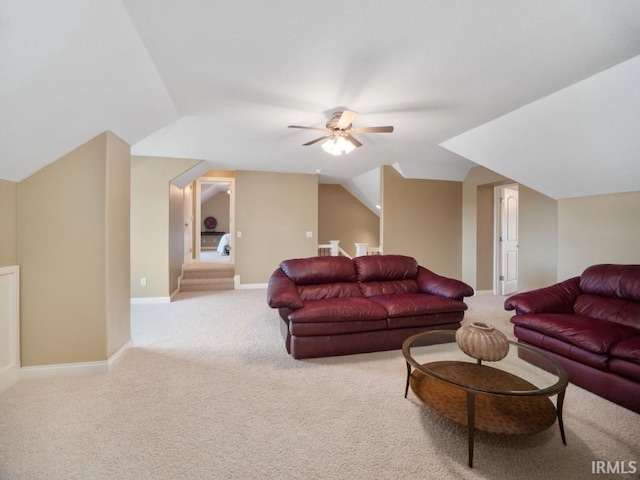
x=610, y=292
x=319, y=270
x=619, y=281
x=322, y=277
x=386, y=274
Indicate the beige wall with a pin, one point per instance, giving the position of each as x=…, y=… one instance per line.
x=217, y=207
x=68, y=230
x=343, y=217
x=118, y=245
x=150, y=179
x=485, y=233
x=598, y=229
x=176, y=236
x=273, y=213
x=8, y=223
x=423, y=219
x=538, y=239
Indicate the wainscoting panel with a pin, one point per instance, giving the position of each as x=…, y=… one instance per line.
x=9, y=326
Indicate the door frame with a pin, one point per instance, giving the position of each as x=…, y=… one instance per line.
x=232, y=214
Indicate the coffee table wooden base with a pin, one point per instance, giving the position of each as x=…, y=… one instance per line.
x=503, y=414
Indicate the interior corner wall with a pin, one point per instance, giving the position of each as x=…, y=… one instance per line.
x=118, y=243
x=273, y=213
x=341, y=216
x=8, y=223
x=150, y=179
x=62, y=252
x=176, y=236
x=597, y=229
x=423, y=219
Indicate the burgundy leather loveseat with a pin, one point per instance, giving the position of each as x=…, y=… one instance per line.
x=337, y=306
x=591, y=325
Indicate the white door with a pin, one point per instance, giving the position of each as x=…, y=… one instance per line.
x=188, y=222
x=509, y=239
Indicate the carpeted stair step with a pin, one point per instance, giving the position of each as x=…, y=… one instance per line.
x=205, y=284
x=207, y=276
x=208, y=273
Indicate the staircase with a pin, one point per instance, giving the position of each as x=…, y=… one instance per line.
x=199, y=277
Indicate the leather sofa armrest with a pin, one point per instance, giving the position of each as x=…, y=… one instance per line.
x=435, y=284
x=558, y=298
x=282, y=292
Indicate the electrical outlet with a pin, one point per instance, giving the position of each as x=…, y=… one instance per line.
x=239, y=234
x=143, y=282
x=309, y=234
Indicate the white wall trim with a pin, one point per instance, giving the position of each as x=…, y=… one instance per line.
x=246, y=286
x=147, y=300
x=116, y=356
x=176, y=291
x=64, y=369
x=10, y=326
x=484, y=292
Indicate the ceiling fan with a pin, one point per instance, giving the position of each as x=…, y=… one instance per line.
x=340, y=140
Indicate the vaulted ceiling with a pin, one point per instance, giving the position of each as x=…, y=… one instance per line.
x=543, y=92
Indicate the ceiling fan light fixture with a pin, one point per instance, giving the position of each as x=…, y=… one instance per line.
x=338, y=145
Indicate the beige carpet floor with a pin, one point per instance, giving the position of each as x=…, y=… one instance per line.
x=208, y=392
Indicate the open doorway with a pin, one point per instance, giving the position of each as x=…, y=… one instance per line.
x=506, y=239
x=214, y=220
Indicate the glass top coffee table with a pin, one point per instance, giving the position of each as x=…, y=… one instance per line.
x=510, y=396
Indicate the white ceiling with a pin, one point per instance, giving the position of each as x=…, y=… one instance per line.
x=220, y=81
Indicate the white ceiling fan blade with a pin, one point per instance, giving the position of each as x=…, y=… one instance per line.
x=308, y=128
x=316, y=140
x=353, y=140
x=388, y=129
x=345, y=119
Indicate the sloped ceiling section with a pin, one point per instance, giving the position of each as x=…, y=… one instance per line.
x=221, y=81
x=581, y=140
x=71, y=70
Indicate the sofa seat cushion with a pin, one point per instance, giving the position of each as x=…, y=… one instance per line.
x=337, y=315
x=624, y=368
x=562, y=348
x=597, y=336
x=628, y=349
x=411, y=304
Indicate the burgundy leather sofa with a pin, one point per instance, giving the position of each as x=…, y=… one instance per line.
x=591, y=325
x=338, y=306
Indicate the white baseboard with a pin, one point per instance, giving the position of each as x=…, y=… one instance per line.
x=116, y=356
x=64, y=369
x=245, y=286
x=175, y=292
x=147, y=300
